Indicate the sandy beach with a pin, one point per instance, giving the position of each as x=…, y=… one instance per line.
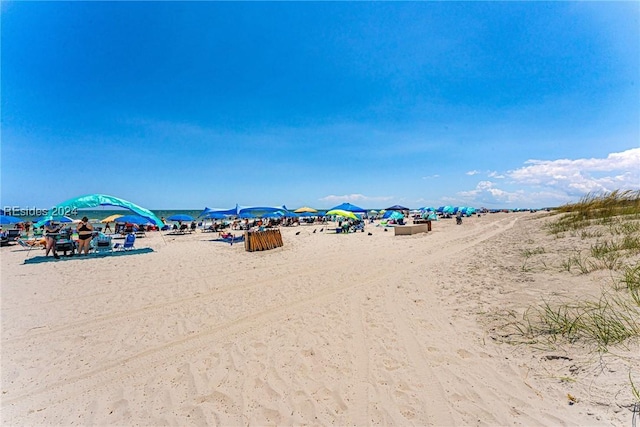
x=330, y=329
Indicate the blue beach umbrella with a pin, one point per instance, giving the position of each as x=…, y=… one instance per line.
x=273, y=215
x=134, y=219
x=180, y=217
x=8, y=219
x=348, y=207
x=47, y=219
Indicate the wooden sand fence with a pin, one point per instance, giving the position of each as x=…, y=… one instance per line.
x=262, y=240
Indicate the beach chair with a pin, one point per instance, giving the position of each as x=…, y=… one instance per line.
x=128, y=243
x=12, y=235
x=65, y=243
x=31, y=243
x=101, y=243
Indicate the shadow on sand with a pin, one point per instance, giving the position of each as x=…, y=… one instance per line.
x=42, y=258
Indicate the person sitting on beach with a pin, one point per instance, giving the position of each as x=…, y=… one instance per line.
x=226, y=235
x=85, y=234
x=52, y=229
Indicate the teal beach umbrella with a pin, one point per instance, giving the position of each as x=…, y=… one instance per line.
x=71, y=206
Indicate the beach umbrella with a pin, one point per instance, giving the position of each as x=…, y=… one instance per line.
x=260, y=211
x=180, y=217
x=348, y=207
x=226, y=212
x=305, y=209
x=392, y=215
x=397, y=208
x=94, y=200
x=8, y=219
x=273, y=215
x=46, y=220
x=343, y=213
x=134, y=219
x=111, y=218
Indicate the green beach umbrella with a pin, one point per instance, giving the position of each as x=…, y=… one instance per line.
x=342, y=213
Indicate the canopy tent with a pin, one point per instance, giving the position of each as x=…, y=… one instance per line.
x=397, y=208
x=261, y=211
x=225, y=212
x=348, y=207
x=94, y=200
x=215, y=215
x=274, y=215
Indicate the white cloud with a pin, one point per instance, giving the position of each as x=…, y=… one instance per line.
x=474, y=172
x=555, y=182
x=431, y=176
x=618, y=171
x=487, y=193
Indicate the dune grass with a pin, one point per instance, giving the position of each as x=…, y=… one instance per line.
x=612, y=318
x=611, y=222
x=605, y=209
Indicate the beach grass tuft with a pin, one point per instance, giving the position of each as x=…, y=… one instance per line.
x=597, y=241
x=610, y=320
x=613, y=219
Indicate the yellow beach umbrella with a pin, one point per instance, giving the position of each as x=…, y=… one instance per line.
x=340, y=212
x=305, y=209
x=110, y=218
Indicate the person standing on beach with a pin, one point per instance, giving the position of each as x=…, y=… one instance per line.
x=51, y=234
x=85, y=233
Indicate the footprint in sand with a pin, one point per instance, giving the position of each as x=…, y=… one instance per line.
x=464, y=354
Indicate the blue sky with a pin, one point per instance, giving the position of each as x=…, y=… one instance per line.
x=183, y=105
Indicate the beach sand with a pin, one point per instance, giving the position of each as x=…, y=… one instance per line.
x=330, y=329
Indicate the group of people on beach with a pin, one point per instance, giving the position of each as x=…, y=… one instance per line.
x=53, y=231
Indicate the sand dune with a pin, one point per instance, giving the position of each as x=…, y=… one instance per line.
x=328, y=330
